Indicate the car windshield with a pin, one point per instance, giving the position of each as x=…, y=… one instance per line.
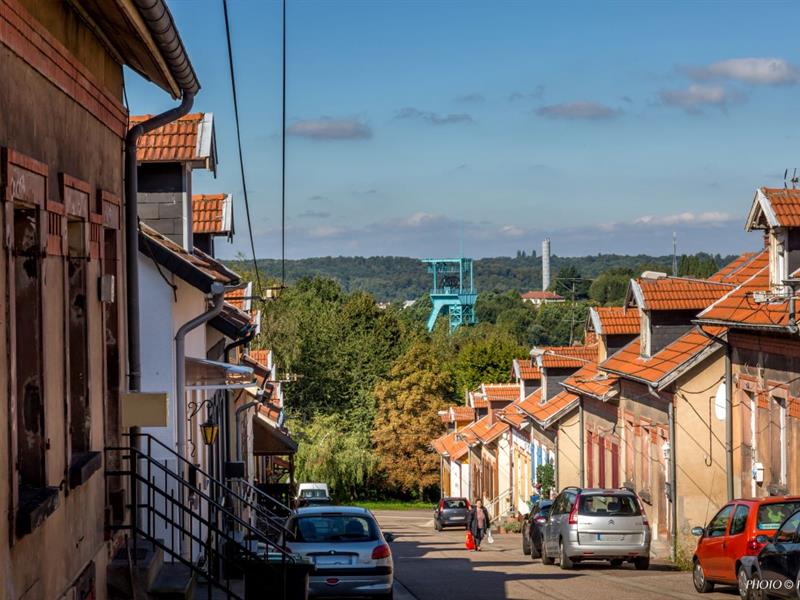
x=455, y=503
x=335, y=528
x=770, y=516
x=609, y=504
x=313, y=494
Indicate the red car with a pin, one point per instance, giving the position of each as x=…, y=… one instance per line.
x=731, y=534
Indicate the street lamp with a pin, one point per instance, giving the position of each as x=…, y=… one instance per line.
x=209, y=431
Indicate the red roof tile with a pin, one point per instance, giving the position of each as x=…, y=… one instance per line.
x=261, y=356
x=675, y=293
x=496, y=392
x=590, y=382
x=525, y=368
x=212, y=213
x=477, y=400
x=462, y=414
x=566, y=357
x=541, y=295
x=545, y=413
x=487, y=430
x=667, y=363
x=785, y=205
x=271, y=411
x=750, y=305
x=614, y=320
x=178, y=141
x=742, y=268
x=449, y=446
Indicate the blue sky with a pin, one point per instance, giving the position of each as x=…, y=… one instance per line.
x=412, y=125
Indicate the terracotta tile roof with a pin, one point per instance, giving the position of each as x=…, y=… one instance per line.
x=449, y=446
x=565, y=357
x=212, y=213
x=271, y=411
x=590, y=382
x=486, y=430
x=444, y=416
x=477, y=399
x=541, y=295
x=512, y=415
x=742, y=268
x=232, y=322
x=189, y=139
x=750, y=305
x=785, y=205
x=237, y=296
x=614, y=320
x=461, y=414
x=669, y=362
x=547, y=413
x=525, y=368
x=196, y=268
x=496, y=392
x=261, y=356
x=674, y=293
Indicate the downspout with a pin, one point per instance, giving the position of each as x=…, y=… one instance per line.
x=582, y=461
x=242, y=408
x=227, y=420
x=729, y=404
x=673, y=473
x=132, y=232
x=218, y=299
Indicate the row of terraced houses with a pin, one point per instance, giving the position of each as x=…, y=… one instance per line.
x=688, y=394
x=144, y=438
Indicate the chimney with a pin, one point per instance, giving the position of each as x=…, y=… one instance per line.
x=545, y=264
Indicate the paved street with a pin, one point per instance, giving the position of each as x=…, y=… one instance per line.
x=435, y=566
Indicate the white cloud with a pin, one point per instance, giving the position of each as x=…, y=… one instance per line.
x=512, y=231
x=696, y=96
x=409, y=112
x=583, y=109
x=754, y=71
x=710, y=218
x=328, y=128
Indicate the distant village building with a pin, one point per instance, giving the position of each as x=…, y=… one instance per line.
x=538, y=298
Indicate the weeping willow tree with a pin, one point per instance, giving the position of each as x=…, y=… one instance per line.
x=337, y=450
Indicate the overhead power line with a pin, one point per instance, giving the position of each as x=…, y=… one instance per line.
x=239, y=143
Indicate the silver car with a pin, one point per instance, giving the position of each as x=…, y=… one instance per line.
x=350, y=553
x=596, y=524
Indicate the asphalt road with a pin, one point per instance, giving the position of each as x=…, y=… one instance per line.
x=430, y=565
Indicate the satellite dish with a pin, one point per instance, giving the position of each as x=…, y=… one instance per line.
x=719, y=402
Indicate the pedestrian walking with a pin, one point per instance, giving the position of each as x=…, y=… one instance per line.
x=478, y=523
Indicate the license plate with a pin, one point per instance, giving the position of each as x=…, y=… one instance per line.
x=456, y=518
x=605, y=537
x=332, y=560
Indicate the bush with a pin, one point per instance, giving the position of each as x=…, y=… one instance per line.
x=512, y=526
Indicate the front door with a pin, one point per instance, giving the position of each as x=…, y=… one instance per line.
x=715, y=544
x=735, y=545
x=779, y=558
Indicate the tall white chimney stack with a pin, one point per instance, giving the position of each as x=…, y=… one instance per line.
x=545, y=264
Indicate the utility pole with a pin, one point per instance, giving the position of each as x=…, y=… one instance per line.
x=572, y=315
x=674, y=254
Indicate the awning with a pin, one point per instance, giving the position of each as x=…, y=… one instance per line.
x=269, y=440
x=202, y=374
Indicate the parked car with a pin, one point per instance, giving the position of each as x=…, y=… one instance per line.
x=732, y=534
x=776, y=569
x=596, y=524
x=313, y=494
x=532, y=528
x=451, y=512
x=350, y=553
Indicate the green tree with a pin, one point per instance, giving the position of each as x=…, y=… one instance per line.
x=486, y=360
x=558, y=324
x=570, y=283
x=408, y=401
x=609, y=288
x=545, y=474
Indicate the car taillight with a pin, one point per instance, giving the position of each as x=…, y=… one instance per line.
x=468, y=506
x=753, y=547
x=381, y=551
x=573, y=514
x=540, y=519
x=441, y=504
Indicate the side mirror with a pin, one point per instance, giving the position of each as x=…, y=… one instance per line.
x=763, y=539
x=389, y=537
x=698, y=531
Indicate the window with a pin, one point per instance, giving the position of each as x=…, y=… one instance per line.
x=719, y=524
x=335, y=528
x=609, y=505
x=739, y=519
x=28, y=350
x=777, y=437
x=770, y=516
x=787, y=534
x=80, y=418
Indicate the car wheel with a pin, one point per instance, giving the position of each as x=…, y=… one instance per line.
x=563, y=560
x=535, y=552
x=526, y=543
x=615, y=562
x=387, y=596
x=744, y=585
x=701, y=584
x=436, y=525
x=641, y=563
x=756, y=591
x=546, y=559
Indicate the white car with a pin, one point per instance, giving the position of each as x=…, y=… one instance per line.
x=312, y=494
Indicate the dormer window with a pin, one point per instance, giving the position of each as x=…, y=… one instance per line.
x=777, y=212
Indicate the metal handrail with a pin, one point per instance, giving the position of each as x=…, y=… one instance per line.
x=496, y=500
x=262, y=494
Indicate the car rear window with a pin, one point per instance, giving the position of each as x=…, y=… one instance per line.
x=770, y=516
x=609, y=504
x=455, y=503
x=544, y=509
x=313, y=494
x=335, y=528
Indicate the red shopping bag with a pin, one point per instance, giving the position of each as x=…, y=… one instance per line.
x=470, y=541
